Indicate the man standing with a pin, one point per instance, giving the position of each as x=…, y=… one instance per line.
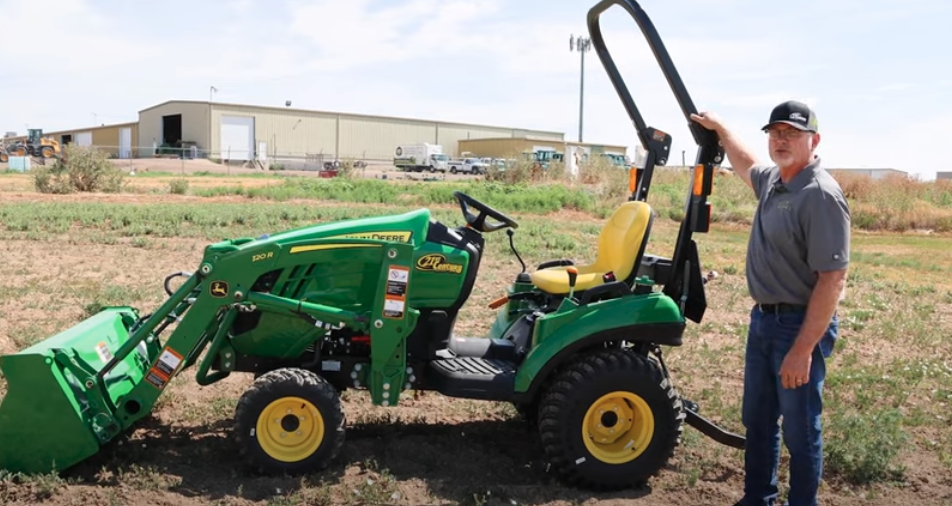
x=797, y=259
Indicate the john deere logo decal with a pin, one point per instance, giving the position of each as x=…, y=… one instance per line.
x=437, y=263
x=218, y=289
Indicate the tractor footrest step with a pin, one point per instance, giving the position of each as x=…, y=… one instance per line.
x=473, y=378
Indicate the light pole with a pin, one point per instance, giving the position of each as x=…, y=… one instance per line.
x=582, y=45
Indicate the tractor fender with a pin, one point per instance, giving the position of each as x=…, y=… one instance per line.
x=563, y=346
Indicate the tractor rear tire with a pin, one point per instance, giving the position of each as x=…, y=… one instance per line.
x=610, y=421
x=289, y=422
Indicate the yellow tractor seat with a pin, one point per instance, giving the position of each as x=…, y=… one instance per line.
x=621, y=244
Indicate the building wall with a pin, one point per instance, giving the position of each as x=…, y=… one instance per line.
x=943, y=175
x=104, y=138
x=283, y=132
x=376, y=138
x=298, y=133
x=195, y=125
x=454, y=137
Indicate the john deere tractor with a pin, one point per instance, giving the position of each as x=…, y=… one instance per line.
x=371, y=304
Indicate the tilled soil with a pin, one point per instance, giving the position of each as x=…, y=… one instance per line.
x=429, y=450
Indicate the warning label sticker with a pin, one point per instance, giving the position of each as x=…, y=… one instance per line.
x=394, y=304
x=397, y=281
x=156, y=380
x=393, y=308
x=161, y=372
x=104, y=354
x=168, y=362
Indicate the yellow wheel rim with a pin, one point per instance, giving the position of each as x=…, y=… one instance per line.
x=618, y=427
x=290, y=429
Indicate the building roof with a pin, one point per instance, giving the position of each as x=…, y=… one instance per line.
x=374, y=116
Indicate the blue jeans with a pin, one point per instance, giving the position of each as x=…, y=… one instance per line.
x=765, y=400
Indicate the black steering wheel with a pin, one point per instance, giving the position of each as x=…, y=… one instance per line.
x=479, y=222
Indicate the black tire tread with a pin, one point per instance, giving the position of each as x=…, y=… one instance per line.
x=559, y=402
x=286, y=382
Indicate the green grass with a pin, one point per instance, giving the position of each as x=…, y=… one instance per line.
x=889, y=387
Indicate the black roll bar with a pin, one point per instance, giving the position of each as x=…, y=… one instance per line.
x=657, y=143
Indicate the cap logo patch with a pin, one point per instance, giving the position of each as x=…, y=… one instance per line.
x=797, y=116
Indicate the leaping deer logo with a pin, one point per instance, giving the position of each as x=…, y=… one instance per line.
x=218, y=289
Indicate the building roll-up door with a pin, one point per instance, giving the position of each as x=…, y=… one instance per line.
x=83, y=139
x=237, y=137
x=125, y=143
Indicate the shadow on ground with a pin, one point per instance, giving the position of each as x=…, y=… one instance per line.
x=454, y=462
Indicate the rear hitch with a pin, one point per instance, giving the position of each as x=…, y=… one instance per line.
x=713, y=431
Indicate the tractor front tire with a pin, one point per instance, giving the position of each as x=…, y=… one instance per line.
x=289, y=422
x=609, y=421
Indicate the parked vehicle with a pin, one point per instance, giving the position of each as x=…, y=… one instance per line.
x=468, y=165
x=421, y=157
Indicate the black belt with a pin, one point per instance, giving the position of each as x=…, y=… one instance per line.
x=781, y=308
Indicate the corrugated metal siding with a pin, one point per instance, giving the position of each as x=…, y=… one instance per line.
x=105, y=138
x=539, y=134
x=372, y=138
x=297, y=132
x=195, y=122
x=506, y=148
x=289, y=133
x=451, y=135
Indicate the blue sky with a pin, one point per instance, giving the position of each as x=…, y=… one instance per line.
x=877, y=72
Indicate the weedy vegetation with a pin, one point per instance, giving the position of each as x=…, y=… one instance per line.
x=887, y=419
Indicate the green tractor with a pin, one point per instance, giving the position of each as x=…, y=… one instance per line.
x=370, y=304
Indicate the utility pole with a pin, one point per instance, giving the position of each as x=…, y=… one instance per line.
x=582, y=45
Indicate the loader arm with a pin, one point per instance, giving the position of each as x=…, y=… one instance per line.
x=98, y=378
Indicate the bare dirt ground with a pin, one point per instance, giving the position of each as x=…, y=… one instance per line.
x=429, y=450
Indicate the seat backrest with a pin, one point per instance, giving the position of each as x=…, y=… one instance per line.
x=621, y=243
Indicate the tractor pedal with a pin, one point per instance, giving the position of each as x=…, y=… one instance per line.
x=472, y=378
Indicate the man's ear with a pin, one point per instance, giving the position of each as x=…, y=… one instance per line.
x=816, y=140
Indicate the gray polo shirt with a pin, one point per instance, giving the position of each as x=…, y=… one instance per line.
x=800, y=228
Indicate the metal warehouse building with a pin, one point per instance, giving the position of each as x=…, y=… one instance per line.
x=237, y=132
x=118, y=140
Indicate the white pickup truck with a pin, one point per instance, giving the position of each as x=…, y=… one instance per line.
x=469, y=165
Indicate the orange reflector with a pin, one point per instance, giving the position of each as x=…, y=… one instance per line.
x=632, y=179
x=698, y=180
x=499, y=302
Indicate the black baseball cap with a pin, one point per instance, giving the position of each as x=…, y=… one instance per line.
x=794, y=113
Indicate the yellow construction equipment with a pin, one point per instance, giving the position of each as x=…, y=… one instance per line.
x=36, y=145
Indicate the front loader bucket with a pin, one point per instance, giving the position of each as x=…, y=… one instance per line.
x=57, y=411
